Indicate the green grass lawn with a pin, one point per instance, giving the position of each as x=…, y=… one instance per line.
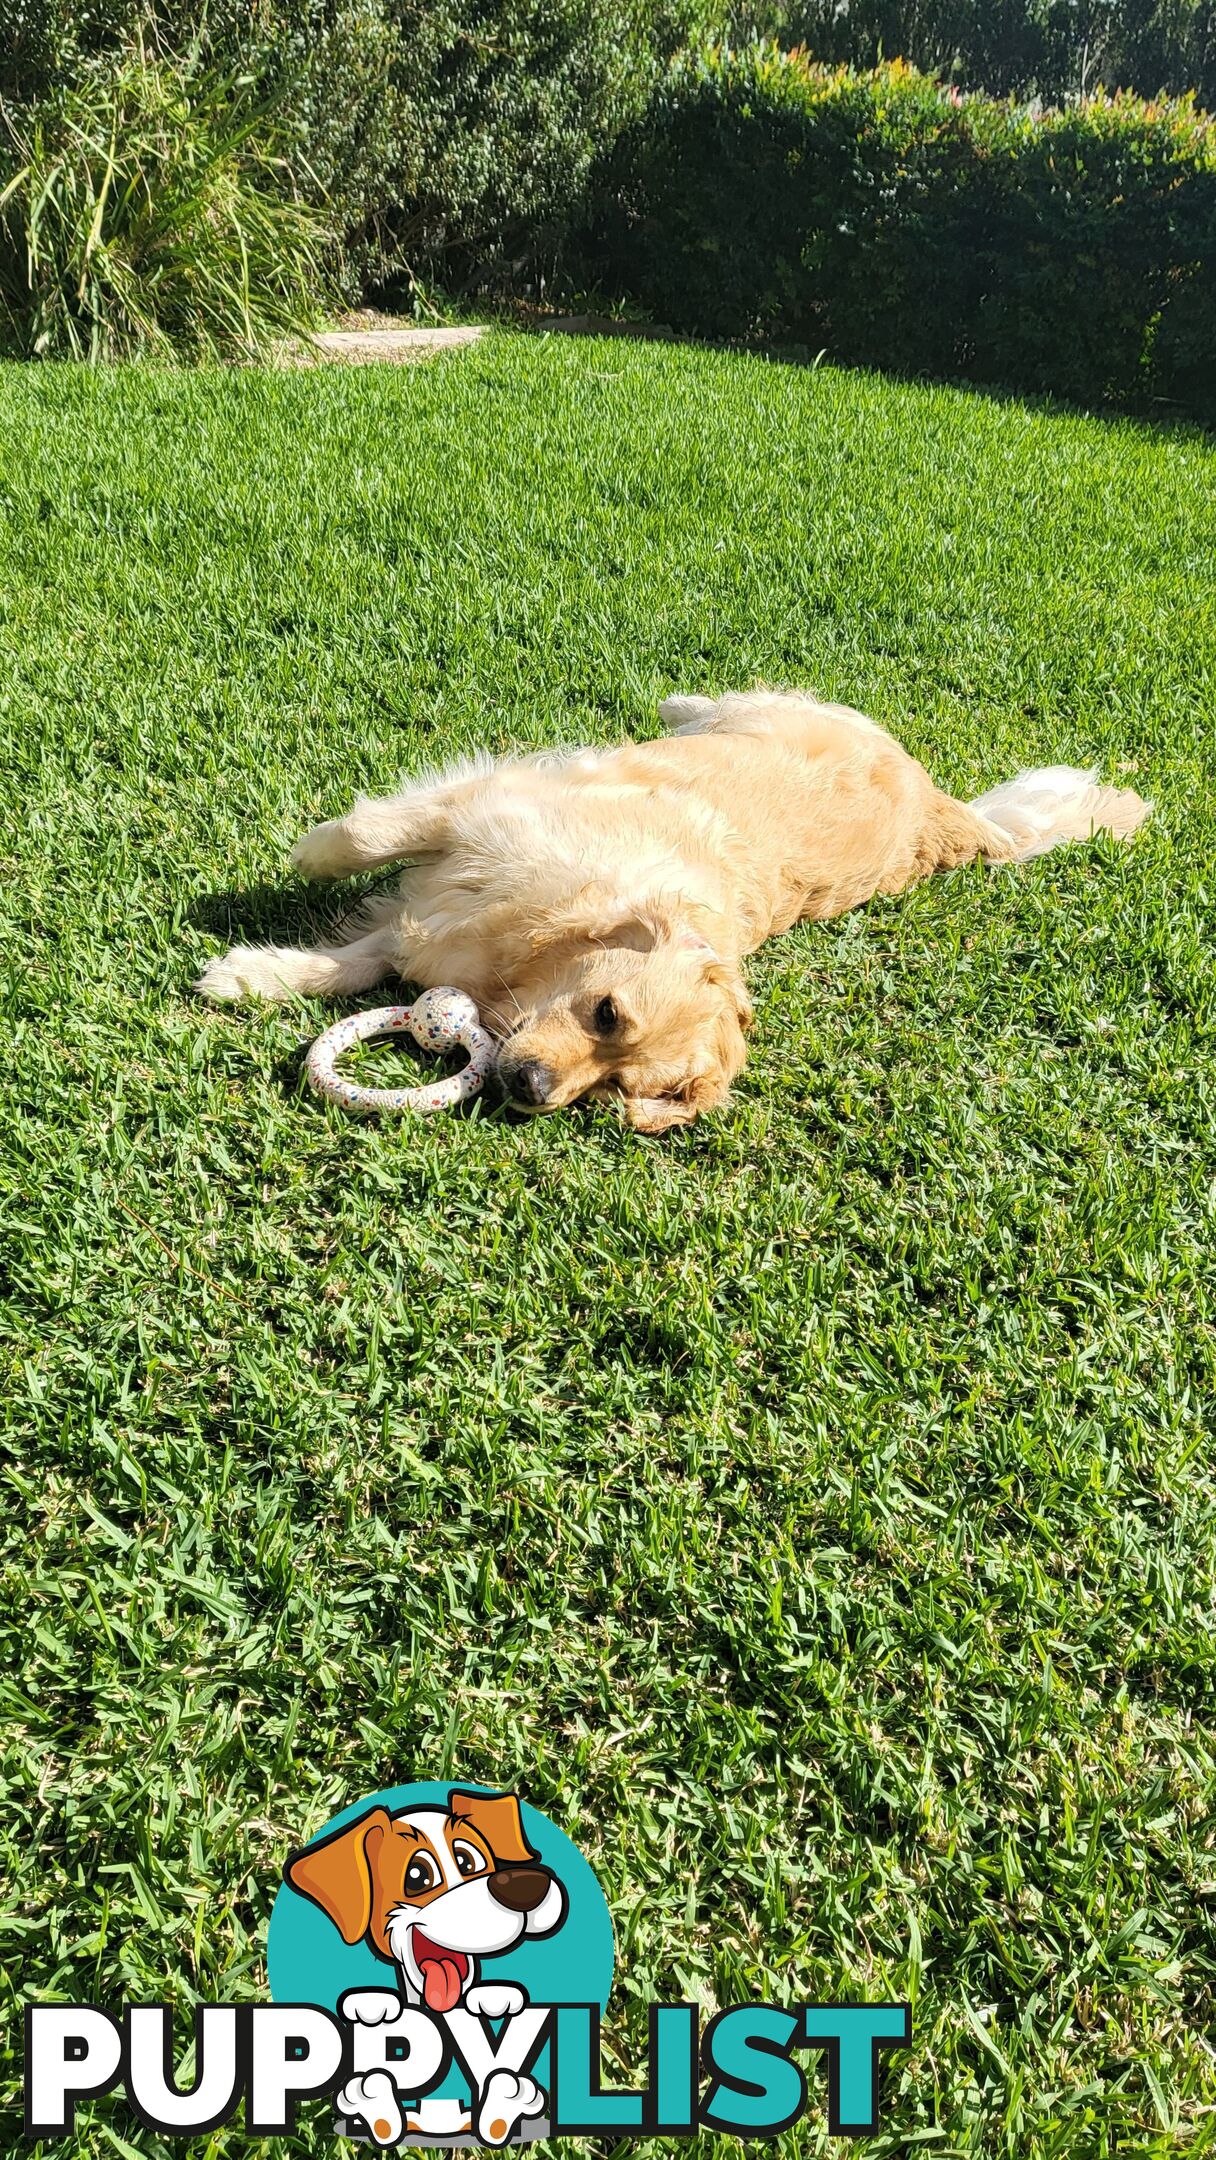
x=812, y=1511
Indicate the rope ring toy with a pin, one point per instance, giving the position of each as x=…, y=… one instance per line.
x=439, y=1020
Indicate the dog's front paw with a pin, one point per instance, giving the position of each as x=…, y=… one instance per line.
x=508, y=2099
x=372, y=2099
x=244, y=972
x=495, y=1998
x=325, y=852
x=221, y=978
x=370, y=2006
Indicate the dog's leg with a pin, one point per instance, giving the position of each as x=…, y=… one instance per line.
x=281, y=972
x=688, y=715
x=372, y=834
x=389, y=828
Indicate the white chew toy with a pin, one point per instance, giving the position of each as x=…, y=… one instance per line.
x=439, y=1020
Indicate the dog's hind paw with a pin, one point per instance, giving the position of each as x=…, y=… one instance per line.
x=372, y=2099
x=507, y=2100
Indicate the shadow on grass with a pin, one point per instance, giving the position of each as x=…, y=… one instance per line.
x=1172, y=423
x=271, y=914
x=287, y=912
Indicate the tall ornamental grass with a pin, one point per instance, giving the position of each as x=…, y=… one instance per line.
x=150, y=208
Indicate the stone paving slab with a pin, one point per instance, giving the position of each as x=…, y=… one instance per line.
x=398, y=342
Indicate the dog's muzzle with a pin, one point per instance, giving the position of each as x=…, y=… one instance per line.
x=529, y=1084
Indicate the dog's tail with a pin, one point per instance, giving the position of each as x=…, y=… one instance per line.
x=1052, y=803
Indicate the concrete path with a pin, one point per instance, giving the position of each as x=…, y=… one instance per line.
x=396, y=342
x=370, y=336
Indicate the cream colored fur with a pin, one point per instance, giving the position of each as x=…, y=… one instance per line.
x=597, y=906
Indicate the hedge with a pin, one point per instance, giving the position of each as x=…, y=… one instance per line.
x=891, y=221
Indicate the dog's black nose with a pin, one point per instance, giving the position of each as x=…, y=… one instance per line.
x=520, y=1889
x=531, y=1082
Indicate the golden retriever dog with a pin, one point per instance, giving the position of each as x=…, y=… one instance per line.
x=597, y=905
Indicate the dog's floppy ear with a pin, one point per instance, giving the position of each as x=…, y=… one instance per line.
x=497, y=1817
x=611, y=924
x=717, y=971
x=730, y=979
x=338, y=1874
x=641, y=925
x=659, y=1113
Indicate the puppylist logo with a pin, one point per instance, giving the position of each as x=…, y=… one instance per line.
x=439, y=1962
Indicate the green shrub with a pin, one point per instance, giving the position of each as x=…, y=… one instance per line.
x=446, y=138
x=506, y=104
x=149, y=209
x=893, y=222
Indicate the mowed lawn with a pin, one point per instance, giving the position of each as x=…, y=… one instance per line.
x=813, y=1511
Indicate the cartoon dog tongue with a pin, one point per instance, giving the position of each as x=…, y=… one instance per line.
x=440, y=1984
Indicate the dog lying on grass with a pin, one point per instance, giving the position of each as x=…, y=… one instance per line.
x=597, y=906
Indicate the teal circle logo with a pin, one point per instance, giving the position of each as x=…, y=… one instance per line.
x=440, y=1958
x=309, y=1960
x=440, y=1894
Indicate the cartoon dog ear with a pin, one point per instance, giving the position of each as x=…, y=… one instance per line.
x=497, y=1817
x=338, y=1874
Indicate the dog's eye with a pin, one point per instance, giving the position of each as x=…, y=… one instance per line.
x=606, y=1015
x=469, y=1860
x=421, y=1874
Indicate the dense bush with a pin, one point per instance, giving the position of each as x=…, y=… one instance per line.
x=443, y=137
x=506, y=107
x=148, y=208
x=894, y=222
x=326, y=66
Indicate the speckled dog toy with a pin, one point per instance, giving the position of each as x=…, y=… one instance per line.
x=440, y=1020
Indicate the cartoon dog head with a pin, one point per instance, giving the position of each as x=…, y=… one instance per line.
x=432, y=1889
